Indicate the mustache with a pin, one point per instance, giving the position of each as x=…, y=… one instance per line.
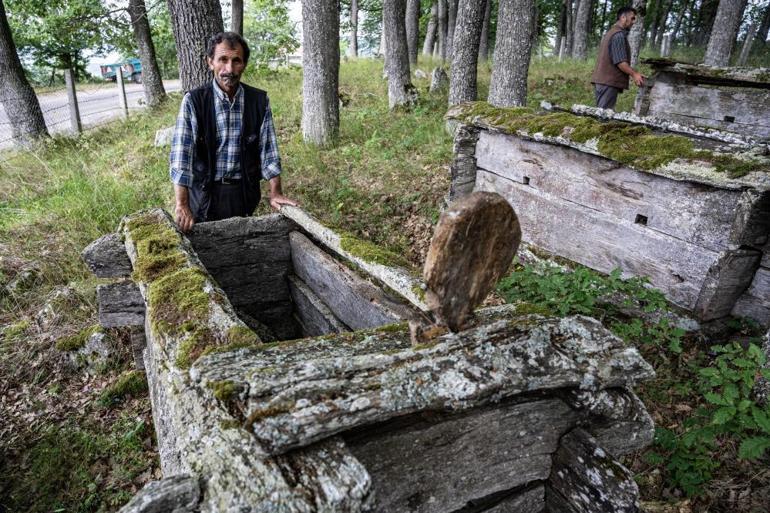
x=230, y=76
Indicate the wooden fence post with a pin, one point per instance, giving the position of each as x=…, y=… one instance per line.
x=122, y=93
x=72, y=99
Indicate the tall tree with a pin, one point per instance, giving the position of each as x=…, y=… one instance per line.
x=635, y=35
x=152, y=83
x=412, y=29
x=194, y=22
x=580, y=44
x=465, y=53
x=320, y=71
x=451, y=24
x=706, y=15
x=561, y=28
x=728, y=19
x=236, y=17
x=16, y=95
x=679, y=18
x=764, y=26
x=516, y=30
x=442, y=28
x=353, y=46
x=484, y=42
x=401, y=92
x=747, y=43
x=431, y=30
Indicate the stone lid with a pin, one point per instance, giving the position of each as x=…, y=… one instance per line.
x=639, y=146
x=728, y=76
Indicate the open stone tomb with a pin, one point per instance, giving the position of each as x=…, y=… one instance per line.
x=686, y=207
x=516, y=412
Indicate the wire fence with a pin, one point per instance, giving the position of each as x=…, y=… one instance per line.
x=96, y=105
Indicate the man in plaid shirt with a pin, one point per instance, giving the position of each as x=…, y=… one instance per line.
x=224, y=142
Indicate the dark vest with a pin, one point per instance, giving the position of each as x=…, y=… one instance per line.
x=205, y=157
x=605, y=72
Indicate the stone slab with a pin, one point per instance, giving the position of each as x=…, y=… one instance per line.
x=314, y=316
x=120, y=304
x=106, y=257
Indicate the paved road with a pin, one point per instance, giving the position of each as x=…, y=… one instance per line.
x=98, y=105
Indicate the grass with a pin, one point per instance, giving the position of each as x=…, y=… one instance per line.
x=384, y=183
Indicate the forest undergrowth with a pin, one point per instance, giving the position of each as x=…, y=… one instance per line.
x=79, y=438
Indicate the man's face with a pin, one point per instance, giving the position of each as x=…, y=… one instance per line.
x=227, y=65
x=627, y=20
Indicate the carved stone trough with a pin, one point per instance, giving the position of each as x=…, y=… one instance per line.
x=688, y=208
x=732, y=99
x=283, y=379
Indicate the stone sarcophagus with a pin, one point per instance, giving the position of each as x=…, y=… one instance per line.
x=687, y=208
x=732, y=99
x=287, y=375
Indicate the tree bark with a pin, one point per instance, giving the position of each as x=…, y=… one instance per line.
x=653, y=15
x=412, y=29
x=451, y=24
x=679, y=19
x=401, y=92
x=442, y=28
x=660, y=22
x=320, y=66
x=726, y=23
x=353, y=46
x=462, y=83
x=569, y=25
x=747, y=43
x=484, y=41
x=516, y=28
x=17, y=96
x=561, y=28
x=764, y=26
x=236, y=14
x=154, y=93
x=193, y=23
x=635, y=35
x=430, y=32
x=706, y=16
x=580, y=45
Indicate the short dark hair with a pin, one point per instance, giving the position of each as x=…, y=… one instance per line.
x=232, y=39
x=626, y=10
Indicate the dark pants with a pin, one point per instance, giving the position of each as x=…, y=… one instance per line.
x=226, y=201
x=606, y=96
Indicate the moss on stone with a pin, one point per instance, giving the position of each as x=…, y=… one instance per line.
x=634, y=145
x=418, y=291
x=241, y=335
x=129, y=384
x=178, y=298
x=396, y=327
x=370, y=252
x=223, y=390
x=157, y=248
x=78, y=340
x=531, y=309
x=226, y=348
x=193, y=346
x=229, y=424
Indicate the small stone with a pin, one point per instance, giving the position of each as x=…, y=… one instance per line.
x=107, y=257
x=418, y=73
x=93, y=355
x=25, y=279
x=439, y=81
x=163, y=136
x=54, y=307
x=473, y=246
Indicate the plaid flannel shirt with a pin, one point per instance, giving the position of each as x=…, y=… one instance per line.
x=229, y=118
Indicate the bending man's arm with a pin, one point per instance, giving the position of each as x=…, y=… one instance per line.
x=180, y=163
x=182, y=213
x=271, y=162
x=626, y=68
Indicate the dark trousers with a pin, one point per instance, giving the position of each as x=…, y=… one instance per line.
x=606, y=96
x=226, y=201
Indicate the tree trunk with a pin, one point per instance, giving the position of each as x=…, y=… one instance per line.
x=746, y=50
x=679, y=19
x=16, y=95
x=653, y=17
x=470, y=19
x=560, y=28
x=152, y=83
x=412, y=29
x=706, y=16
x=353, y=46
x=430, y=32
x=401, y=92
x=442, y=28
x=484, y=41
x=236, y=24
x=570, y=26
x=635, y=35
x=726, y=23
x=320, y=70
x=661, y=22
x=451, y=24
x=516, y=28
x=580, y=45
x=603, y=22
x=193, y=23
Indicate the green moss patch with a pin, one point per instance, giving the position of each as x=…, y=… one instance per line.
x=130, y=384
x=223, y=390
x=15, y=330
x=634, y=145
x=193, y=347
x=370, y=252
x=157, y=248
x=78, y=340
x=177, y=298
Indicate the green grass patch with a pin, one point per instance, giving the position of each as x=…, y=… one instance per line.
x=130, y=384
x=78, y=340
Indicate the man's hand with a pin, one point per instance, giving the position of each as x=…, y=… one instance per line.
x=276, y=195
x=184, y=217
x=279, y=199
x=638, y=79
